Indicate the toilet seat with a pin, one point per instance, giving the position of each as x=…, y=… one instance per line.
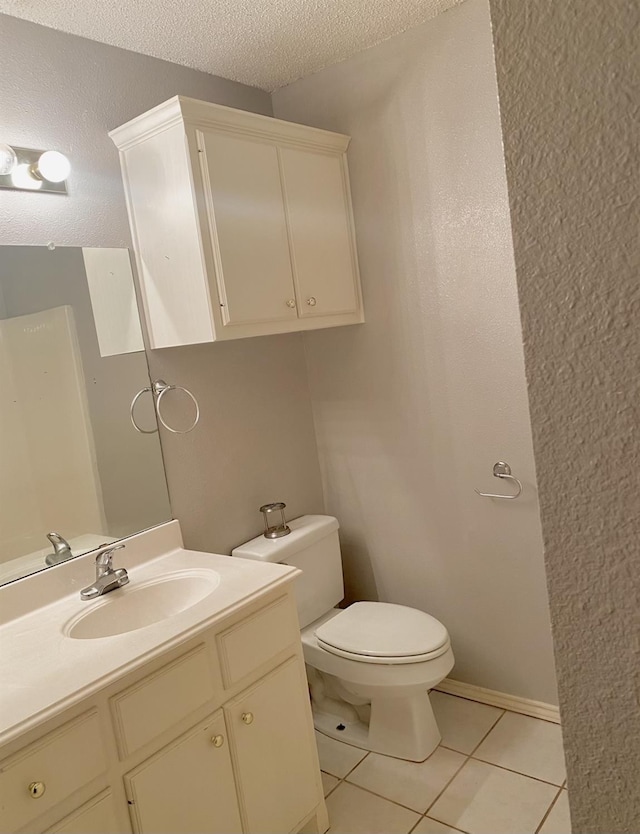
x=381, y=632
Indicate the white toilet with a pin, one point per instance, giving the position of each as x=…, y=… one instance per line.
x=370, y=666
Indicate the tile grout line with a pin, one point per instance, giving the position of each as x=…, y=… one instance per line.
x=464, y=764
x=326, y=795
x=423, y=814
x=517, y=772
x=386, y=799
x=393, y=801
x=470, y=757
x=490, y=730
x=475, y=758
x=366, y=756
x=343, y=778
x=511, y=770
x=432, y=819
x=431, y=804
x=549, y=810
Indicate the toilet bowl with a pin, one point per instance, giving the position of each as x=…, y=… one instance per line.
x=386, y=695
x=371, y=665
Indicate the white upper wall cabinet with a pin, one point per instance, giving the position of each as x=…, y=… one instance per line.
x=242, y=224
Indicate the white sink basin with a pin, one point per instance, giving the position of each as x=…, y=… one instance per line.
x=140, y=605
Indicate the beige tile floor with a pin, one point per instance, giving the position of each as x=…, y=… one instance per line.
x=495, y=772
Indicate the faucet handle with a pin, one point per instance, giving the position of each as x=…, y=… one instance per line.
x=105, y=553
x=60, y=544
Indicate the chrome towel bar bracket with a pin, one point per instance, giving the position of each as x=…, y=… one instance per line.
x=157, y=391
x=503, y=470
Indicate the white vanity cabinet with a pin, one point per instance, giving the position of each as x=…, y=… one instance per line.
x=242, y=223
x=213, y=736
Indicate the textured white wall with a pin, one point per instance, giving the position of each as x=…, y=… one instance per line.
x=255, y=442
x=569, y=77
x=413, y=409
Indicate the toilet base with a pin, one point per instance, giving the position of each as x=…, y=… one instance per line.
x=404, y=728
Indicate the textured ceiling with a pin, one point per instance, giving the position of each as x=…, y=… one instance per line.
x=264, y=43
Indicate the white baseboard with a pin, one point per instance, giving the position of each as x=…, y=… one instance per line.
x=525, y=706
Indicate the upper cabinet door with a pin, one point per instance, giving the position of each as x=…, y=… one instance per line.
x=248, y=228
x=318, y=207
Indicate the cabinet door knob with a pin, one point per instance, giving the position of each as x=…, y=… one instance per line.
x=291, y=303
x=37, y=789
x=311, y=302
x=247, y=717
x=217, y=741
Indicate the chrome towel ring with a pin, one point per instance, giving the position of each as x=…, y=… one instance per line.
x=157, y=391
x=132, y=415
x=503, y=470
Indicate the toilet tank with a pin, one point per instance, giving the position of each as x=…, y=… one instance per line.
x=312, y=546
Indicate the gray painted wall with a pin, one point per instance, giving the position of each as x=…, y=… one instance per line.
x=569, y=77
x=413, y=409
x=256, y=441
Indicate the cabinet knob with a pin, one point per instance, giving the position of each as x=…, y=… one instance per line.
x=37, y=789
x=291, y=303
x=217, y=741
x=247, y=717
x=311, y=302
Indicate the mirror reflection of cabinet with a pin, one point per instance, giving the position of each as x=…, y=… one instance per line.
x=113, y=300
x=242, y=223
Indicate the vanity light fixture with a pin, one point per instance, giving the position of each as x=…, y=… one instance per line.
x=8, y=159
x=26, y=169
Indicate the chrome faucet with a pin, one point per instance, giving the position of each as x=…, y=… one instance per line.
x=107, y=578
x=61, y=549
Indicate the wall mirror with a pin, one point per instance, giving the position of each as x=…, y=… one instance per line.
x=74, y=473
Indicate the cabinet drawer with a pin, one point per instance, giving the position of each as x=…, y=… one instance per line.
x=94, y=817
x=56, y=765
x=245, y=647
x=155, y=704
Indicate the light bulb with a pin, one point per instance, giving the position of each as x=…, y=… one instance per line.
x=53, y=166
x=8, y=159
x=22, y=177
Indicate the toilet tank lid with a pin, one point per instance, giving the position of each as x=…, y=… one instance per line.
x=305, y=531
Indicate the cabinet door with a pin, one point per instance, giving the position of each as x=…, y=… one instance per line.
x=319, y=214
x=188, y=786
x=95, y=817
x=273, y=743
x=248, y=229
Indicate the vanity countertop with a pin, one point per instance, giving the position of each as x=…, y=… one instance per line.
x=43, y=670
